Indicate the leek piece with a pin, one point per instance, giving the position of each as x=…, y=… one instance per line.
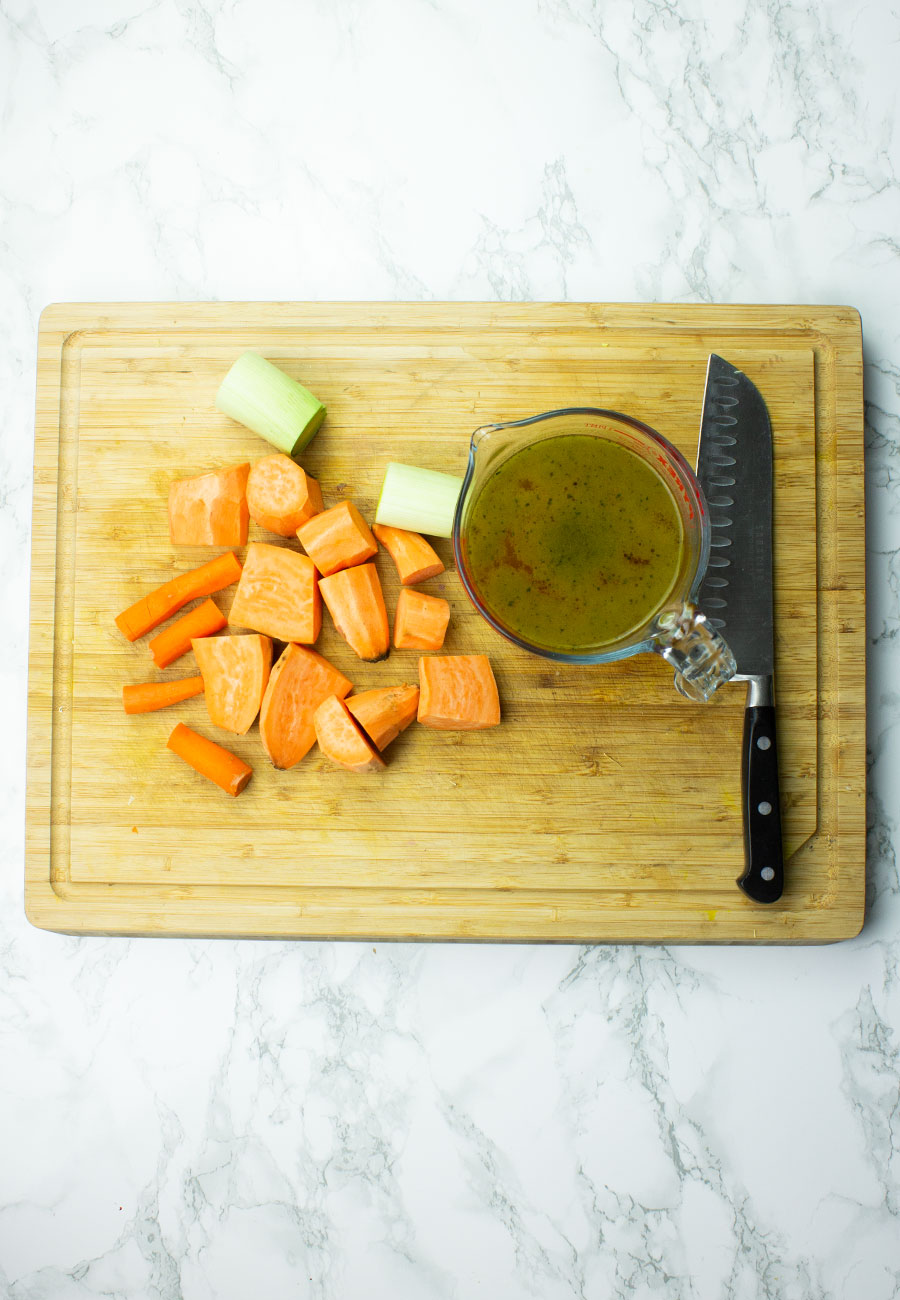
x=266, y=400
x=419, y=500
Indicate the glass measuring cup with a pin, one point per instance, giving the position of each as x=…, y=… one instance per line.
x=673, y=627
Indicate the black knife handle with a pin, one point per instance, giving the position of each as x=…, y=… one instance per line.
x=763, y=878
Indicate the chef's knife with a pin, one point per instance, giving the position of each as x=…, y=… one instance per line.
x=734, y=466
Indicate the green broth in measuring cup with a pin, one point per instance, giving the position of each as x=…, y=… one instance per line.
x=574, y=541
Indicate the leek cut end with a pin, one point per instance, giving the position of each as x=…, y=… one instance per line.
x=312, y=427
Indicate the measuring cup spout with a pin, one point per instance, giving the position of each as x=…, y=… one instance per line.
x=487, y=446
x=492, y=438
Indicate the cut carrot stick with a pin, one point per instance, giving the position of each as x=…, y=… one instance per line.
x=384, y=711
x=342, y=740
x=420, y=621
x=457, y=693
x=298, y=683
x=415, y=558
x=147, y=697
x=235, y=671
x=210, y=759
x=281, y=496
x=356, y=604
x=148, y=612
x=174, y=641
x=337, y=538
x=210, y=509
x=278, y=594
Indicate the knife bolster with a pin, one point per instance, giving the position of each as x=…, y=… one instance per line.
x=760, y=692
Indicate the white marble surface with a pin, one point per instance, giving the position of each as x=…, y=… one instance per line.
x=219, y=1119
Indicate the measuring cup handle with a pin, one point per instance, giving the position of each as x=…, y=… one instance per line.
x=700, y=656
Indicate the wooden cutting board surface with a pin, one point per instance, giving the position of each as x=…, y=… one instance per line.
x=604, y=808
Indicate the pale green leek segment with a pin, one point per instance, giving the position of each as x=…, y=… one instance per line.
x=266, y=400
x=419, y=500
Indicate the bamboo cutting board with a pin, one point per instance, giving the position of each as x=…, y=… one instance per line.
x=604, y=808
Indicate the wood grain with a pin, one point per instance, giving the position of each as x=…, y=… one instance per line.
x=605, y=808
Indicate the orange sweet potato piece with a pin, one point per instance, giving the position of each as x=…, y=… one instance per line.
x=278, y=594
x=342, y=740
x=356, y=604
x=280, y=495
x=415, y=558
x=210, y=509
x=298, y=683
x=235, y=672
x=420, y=621
x=457, y=693
x=384, y=711
x=337, y=539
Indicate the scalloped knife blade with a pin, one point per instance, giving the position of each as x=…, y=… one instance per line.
x=734, y=466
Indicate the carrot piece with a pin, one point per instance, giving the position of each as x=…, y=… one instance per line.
x=337, y=538
x=384, y=711
x=356, y=604
x=235, y=671
x=147, y=697
x=148, y=612
x=278, y=594
x=210, y=759
x=420, y=621
x=174, y=641
x=342, y=740
x=298, y=683
x=210, y=509
x=415, y=558
x=457, y=693
x=281, y=496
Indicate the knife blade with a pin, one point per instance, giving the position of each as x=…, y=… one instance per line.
x=734, y=467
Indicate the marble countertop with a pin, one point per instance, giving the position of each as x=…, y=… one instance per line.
x=217, y=1119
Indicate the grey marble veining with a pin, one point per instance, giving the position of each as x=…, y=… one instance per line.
x=219, y=1119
